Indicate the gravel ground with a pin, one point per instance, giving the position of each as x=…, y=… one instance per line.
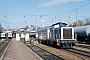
x=63, y=53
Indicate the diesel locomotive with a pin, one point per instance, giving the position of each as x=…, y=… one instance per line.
x=59, y=34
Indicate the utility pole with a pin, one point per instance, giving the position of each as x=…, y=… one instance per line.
x=52, y=20
x=43, y=22
x=76, y=16
x=68, y=18
x=36, y=23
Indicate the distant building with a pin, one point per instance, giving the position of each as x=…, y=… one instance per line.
x=22, y=34
x=29, y=28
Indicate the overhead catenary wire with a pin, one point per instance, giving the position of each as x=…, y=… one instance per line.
x=74, y=9
x=39, y=9
x=80, y=15
x=81, y=7
x=6, y=24
x=43, y=5
x=84, y=12
x=5, y=18
x=61, y=8
x=31, y=9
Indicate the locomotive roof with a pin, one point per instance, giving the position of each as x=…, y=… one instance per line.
x=59, y=23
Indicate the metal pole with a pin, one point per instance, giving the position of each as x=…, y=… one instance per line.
x=68, y=18
x=43, y=23
x=36, y=22
x=52, y=20
x=76, y=17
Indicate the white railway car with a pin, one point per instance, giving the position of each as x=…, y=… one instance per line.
x=3, y=35
x=9, y=35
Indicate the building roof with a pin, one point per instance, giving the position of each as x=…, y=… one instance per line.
x=23, y=32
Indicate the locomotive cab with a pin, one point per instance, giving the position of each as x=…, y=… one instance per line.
x=62, y=36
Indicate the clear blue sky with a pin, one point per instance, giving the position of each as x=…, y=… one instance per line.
x=19, y=13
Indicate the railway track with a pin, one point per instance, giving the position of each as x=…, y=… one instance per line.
x=67, y=54
x=45, y=55
x=84, y=53
x=83, y=45
x=3, y=45
x=80, y=51
x=57, y=52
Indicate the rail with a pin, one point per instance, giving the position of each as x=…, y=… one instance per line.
x=45, y=55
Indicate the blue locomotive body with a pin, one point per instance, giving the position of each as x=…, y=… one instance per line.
x=58, y=35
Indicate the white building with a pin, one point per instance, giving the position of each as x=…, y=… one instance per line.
x=22, y=34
